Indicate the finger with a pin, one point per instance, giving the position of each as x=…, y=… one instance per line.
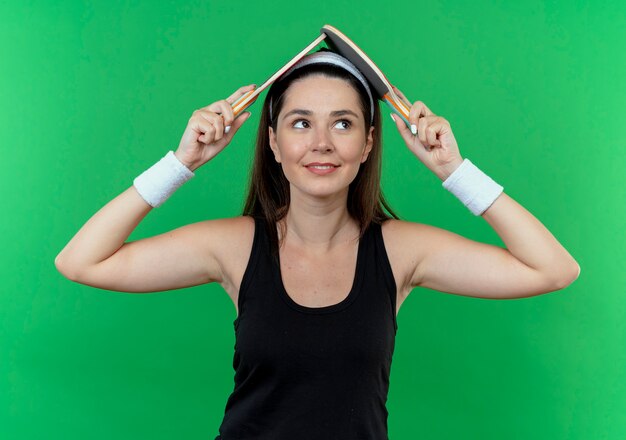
x=431, y=136
x=205, y=129
x=401, y=95
x=403, y=129
x=430, y=129
x=426, y=110
x=419, y=109
x=237, y=124
x=217, y=123
x=408, y=137
x=437, y=128
x=234, y=128
x=240, y=92
x=423, y=123
x=225, y=109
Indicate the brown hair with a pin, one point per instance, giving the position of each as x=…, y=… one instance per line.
x=268, y=191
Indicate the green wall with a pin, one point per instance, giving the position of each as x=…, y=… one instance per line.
x=93, y=93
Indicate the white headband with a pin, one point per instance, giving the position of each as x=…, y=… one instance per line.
x=326, y=57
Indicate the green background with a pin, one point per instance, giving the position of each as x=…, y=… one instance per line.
x=93, y=93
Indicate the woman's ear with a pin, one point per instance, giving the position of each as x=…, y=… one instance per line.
x=273, y=144
x=368, y=145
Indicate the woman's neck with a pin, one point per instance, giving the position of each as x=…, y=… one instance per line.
x=319, y=225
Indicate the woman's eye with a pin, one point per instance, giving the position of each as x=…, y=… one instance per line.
x=344, y=121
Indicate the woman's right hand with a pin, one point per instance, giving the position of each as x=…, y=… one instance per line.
x=205, y=134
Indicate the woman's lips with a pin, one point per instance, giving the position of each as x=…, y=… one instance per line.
x=321, y=168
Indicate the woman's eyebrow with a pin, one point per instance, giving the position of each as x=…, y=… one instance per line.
x=299, y=111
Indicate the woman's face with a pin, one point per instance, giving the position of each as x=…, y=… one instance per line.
x=320, y=138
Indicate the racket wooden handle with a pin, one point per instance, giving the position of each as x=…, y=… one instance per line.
x=398, y=107
x=241, y=104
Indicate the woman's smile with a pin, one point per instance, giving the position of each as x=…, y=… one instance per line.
x=321, y=169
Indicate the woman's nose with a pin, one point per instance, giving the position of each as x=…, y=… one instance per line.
x=322, y=141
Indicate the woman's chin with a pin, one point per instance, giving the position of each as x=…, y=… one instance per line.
x=325, y=193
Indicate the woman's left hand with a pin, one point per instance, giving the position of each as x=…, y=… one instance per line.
x=434, y=145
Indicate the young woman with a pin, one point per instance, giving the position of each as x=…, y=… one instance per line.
x=318, y=266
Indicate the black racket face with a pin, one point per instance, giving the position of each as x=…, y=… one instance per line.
x=341, y=44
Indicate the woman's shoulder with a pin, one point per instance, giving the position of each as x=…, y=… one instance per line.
x=396, y=228
x=406, y=245
x=232, y=227
x=403, y=236
x=234, y=223
x=226, y=235
x=401, y=228
x=228, y=224
x=230, y=240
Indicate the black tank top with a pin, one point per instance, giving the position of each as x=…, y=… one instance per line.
x=312, y=373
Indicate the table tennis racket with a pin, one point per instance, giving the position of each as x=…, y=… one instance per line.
x=338, y=42
x=341, y=44
x=248, y=98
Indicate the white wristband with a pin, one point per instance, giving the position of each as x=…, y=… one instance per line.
x=160, y=181
x=476, y=190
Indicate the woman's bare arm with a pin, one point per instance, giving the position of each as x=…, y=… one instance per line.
x=98, y=254
x=532, y=263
